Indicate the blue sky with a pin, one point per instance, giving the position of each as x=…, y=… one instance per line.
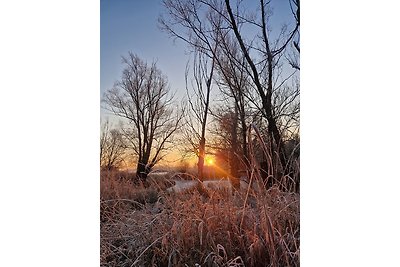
x=132, y=26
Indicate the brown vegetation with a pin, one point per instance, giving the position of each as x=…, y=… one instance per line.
x=149, y=227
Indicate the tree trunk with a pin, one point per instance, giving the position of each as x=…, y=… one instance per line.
x=141, y=172
x=234, y=160
x=200, y=163
x=244, y=138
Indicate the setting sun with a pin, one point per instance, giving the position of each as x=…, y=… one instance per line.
x=209, y=160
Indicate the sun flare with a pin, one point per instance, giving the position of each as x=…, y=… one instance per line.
x=209, y=161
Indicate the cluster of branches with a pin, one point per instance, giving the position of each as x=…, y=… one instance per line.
x=248, y=70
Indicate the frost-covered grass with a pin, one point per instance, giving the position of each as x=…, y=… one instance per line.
x=148, y=226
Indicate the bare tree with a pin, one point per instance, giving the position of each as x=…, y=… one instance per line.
x=271, y=54
x=234, y=83
x=112, y=147
x=199, y=102
x=203, y=42
x=203, y=23
x=142, y=97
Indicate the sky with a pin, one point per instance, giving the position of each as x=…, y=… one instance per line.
x=132, y=26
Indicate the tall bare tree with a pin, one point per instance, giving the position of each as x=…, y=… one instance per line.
x=234, y=83
x=142, y=97
x=199, y=102
x=271, y=54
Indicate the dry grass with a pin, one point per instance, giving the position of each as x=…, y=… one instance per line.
x=148, y=227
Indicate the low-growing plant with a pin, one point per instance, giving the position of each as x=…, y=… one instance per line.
x=215, y=229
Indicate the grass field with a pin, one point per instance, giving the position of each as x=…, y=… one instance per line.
x=148, y=226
